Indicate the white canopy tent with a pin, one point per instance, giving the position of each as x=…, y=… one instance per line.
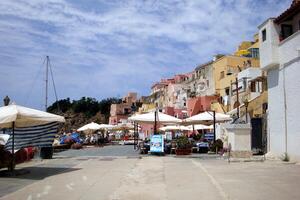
x=13, y=116
x=24, y=117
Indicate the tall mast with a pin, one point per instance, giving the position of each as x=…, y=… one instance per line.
x=46, y=97
x=49, y=69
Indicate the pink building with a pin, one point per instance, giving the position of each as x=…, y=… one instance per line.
x=179, y=113
x=122, y=110
x=199, y=104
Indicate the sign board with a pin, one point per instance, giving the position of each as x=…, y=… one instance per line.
x=209, y=136
x=157, y=144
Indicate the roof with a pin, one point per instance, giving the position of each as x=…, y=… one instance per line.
x=203, y=65
x=255, y=45
x=262, y=24
x=290, y=12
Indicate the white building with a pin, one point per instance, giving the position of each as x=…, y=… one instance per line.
x=280, y=57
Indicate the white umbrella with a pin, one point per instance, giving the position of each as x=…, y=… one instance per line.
x=126, y=126
x=106, y=126
x=170, y=128
x=207, y=118
x=88, y=128
x=150, y=118
x=201, y=127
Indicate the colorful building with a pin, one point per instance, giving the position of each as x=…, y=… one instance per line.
x=122, y=110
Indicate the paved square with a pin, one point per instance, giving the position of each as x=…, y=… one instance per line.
x=102, y=173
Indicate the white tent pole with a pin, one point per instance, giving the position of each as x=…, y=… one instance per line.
x=214, y=113
x=13, y=147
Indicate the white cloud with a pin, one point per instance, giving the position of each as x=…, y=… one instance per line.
x=106, y=48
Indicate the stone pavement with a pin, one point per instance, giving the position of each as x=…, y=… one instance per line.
x=156, y=177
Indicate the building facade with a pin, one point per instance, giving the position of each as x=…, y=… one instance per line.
x=280, y=58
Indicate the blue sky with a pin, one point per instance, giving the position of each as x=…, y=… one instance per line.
x=107, y=48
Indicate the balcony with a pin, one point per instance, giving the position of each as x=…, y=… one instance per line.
x=289, y=48
x=250, y=73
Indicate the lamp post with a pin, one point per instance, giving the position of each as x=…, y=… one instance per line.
x=237, y=97
x=246, y=103
x=6, y=101
x=237, y=91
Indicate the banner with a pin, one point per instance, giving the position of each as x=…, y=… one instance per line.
x=36, y=136
x=157, y=144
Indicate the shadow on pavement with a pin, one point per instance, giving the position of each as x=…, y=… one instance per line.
x=12, y=183
x=36, y=172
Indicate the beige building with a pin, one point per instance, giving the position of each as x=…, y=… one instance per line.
x=225, y=71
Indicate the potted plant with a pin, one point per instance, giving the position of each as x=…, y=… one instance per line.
x=184, y=146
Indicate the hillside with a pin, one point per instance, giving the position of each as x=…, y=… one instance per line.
x=80, y=112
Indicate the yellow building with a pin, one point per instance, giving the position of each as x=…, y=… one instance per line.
x=147, y=107
x=243, y=48
x=226, y=65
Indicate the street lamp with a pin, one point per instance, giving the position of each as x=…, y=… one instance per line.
x=246, y=103
x=6, y=101
x=230, y=72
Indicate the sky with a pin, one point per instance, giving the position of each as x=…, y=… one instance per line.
x=106, y=48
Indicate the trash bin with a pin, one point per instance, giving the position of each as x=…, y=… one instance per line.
x=46, y=152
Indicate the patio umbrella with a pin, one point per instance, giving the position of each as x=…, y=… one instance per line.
x=150, y=118
x=123, y=127
x=89, y=128
x=154, y=117
x=174, y=128
x=12, y=116
x=207, y=117
x=201, y=127
x=106, y=126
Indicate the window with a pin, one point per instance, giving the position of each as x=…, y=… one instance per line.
x=227, y=91
x=264, y=35
x=255, y=53
x=222, y=74
x=286, y=31
x=253, y=87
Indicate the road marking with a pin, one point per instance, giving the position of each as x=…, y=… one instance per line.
x=69, y=186
x=84, y=178
x=213, y=181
